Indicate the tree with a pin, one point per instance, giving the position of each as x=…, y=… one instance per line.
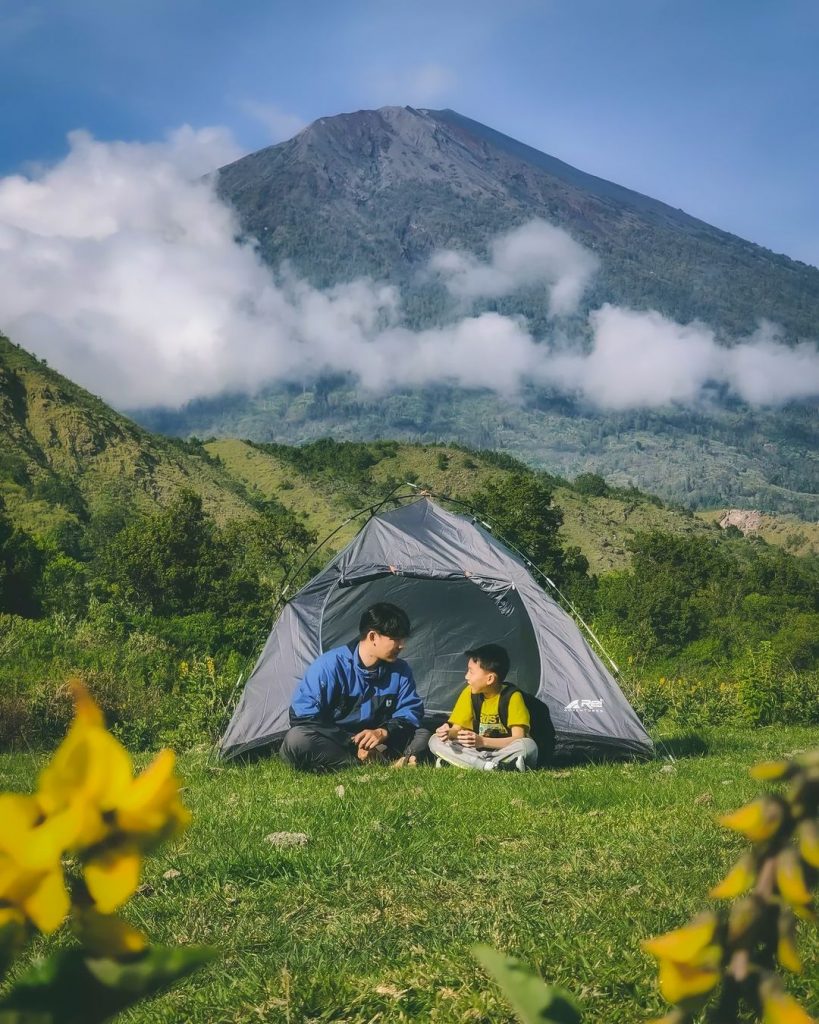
x=524, y=515
x=21, y=569
x=175, y=562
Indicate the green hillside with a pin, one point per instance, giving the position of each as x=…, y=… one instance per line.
x=65, y=456
x=600, y=525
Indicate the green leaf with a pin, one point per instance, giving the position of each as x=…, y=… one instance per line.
x=533, y=1001
x=72, y=988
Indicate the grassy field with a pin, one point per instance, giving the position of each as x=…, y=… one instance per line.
x=373, y=918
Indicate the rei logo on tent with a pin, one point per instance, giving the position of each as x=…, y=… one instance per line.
x=584, y=705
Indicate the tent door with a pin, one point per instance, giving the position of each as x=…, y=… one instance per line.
x=448, y=616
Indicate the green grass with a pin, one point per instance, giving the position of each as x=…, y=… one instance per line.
x=373, y=920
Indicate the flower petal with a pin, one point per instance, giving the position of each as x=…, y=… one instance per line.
x=767, y=771
x=46, y=843
x=757, y=821
x=113, y=877
x=788, y=955
x=682, y=981
x=144, y=805
x=19, y=814
x=47, y=904
x=779, y=1008
x=808, y=833
x=738, y=880
x=683, y=944
x=790, y=878
x=88, y=765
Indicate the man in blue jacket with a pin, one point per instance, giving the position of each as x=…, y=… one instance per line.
x=356, y=703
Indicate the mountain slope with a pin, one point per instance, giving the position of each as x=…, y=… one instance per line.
x=377, y=191
x=65, y=454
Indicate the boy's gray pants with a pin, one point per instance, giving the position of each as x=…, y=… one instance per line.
x=485, y=760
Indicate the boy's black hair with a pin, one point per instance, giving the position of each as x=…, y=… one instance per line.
x=491, y=658
x=386, y=619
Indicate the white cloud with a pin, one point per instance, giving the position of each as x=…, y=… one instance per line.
x=280, y=124
x=537, y=253
x=762, y=371
x=120, y=265
x=644, y=360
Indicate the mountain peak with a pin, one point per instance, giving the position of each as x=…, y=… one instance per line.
x=376, y=192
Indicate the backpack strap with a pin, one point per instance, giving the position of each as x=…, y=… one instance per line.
x=503, y=703
x=477, y=704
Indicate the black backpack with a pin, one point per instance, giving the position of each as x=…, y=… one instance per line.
x=540, y=721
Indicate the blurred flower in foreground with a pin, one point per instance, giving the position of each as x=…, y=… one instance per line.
x=90, y=815
x=727, y=955
x=88, y=804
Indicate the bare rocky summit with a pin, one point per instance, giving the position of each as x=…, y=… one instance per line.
x=376, y=192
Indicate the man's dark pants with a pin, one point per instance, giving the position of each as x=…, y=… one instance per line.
x=318, y=747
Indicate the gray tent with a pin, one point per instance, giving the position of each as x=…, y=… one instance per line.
x=460, y=587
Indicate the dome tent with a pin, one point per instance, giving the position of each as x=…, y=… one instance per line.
x=460, y=587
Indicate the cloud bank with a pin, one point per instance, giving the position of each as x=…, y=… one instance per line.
x=120, y=266
x=535, y=254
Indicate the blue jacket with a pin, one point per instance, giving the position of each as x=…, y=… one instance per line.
x=338, y=690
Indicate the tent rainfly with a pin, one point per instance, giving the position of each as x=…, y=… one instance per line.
x=460, y=587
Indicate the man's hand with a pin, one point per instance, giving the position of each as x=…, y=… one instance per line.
x=468, y=738
x=442, y=732
x=368, y=739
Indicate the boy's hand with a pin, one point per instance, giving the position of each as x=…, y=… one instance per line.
x=442, y=732
x=467, y=738
x=369, y=738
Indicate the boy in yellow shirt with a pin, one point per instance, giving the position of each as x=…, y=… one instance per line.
x=489, y=724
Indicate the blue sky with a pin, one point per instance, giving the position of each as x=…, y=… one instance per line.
x=709, y=106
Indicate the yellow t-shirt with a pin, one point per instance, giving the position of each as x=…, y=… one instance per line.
x=491, y=724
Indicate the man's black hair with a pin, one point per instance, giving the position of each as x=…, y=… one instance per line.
x=491, y=658
x=386, y=619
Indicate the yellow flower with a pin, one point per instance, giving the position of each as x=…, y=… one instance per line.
x=779, y=1008
x=114, y=815
x=790, y=878
x=107, y=936
x=689, y=959
x=683, y=945
x=151, y=804
x=87, y=771
x=788, y=955
x=808, y=832
x=38, y=895
x=738, y=880
x=757, y=821
x=683, y=981
x=769, y=771
x=112, y=877
x=31, y=874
